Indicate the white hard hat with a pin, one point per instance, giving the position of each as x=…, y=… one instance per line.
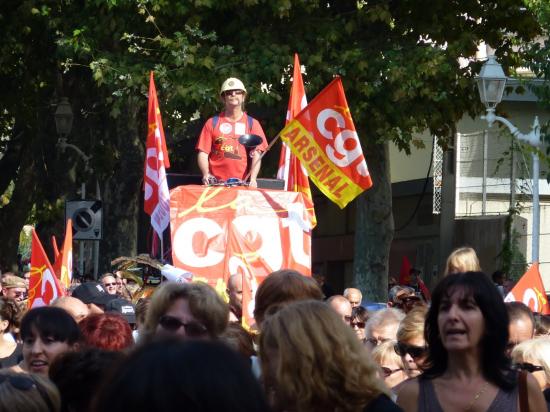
x=232, y=84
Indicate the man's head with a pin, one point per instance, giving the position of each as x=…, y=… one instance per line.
x=499, y=277
x=382, y=326
x=14, y=287
x=76, y=308
x=233, y=92
x=235, y=292
x=341, y=306
x=108, y=280
x=94, y=296
x=354, y=296
x=522, y=323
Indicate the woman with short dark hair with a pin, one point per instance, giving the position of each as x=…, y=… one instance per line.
x=467, y=332
x=47, y=332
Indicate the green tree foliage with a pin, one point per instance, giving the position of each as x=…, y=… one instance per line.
x=398, y=60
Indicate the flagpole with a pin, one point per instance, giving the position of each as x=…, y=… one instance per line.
x=161, y=247
x=256, y=161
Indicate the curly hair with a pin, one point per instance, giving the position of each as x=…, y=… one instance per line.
x=8, y=312
x=461, y=260
x=205, y=305
x=319, y=365
x=109, y=331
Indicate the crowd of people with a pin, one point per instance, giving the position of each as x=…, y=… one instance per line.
x=184, y=348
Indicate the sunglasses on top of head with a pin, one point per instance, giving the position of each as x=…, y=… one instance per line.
x=192, y=329
x=26, y=383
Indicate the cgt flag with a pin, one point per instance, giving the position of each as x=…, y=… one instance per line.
x=290, y=168
x=44, y=286
x=157, y=196
x=323, y=137
x=530, y=290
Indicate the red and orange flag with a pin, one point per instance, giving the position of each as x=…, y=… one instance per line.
x=290, y=168
x=530, y=290
x=323, y=137
x=44, y=287
x=155, y=186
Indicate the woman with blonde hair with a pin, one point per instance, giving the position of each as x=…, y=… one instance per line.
x=27, y=392
x=392, y=369
x=186, y=310
x=410, y=344
x=533, y=356
x=312, y=361
x=462, y=260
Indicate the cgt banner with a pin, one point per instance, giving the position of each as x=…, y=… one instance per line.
x=221, y=231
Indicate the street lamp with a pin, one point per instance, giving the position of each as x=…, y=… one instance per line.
x=491, y=82
x=63, y=125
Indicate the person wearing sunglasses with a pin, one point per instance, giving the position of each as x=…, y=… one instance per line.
x=382, y=326
x=410, y=344
x=359, y=318
x=186, y=311
x=467, y=369
x=108, y=281
x=533, y=356
x=27, y=392
x=392, y=370
x=14, y=287
x=220, y=154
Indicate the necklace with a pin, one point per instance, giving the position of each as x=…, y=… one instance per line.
x=477, y=396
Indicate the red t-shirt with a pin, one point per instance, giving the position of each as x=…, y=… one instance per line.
x=226, y=156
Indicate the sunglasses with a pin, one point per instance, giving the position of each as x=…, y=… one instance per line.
x=232, y=92
x=26, y=383
x=415, y=351
x=360, y=325
x=529, y=367
x=388, y=371
x=109, y=284
x=192, y=329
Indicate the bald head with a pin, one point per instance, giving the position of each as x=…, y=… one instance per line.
x=235, y=292
x=341, y=306
x=75, y=307
x=354, y=296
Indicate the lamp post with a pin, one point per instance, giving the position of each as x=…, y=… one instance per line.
x=491, y=83
x=63, y=125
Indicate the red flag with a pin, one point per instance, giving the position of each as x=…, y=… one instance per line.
x=44, y=286
x=404, y=272
x=424, y=290
x=157, y=196
x=530, y=290
x=323, y=137
x=290, y=169
x=66, y=272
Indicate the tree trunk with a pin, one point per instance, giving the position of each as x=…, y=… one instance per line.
x=122, y=190
x=374, y=227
